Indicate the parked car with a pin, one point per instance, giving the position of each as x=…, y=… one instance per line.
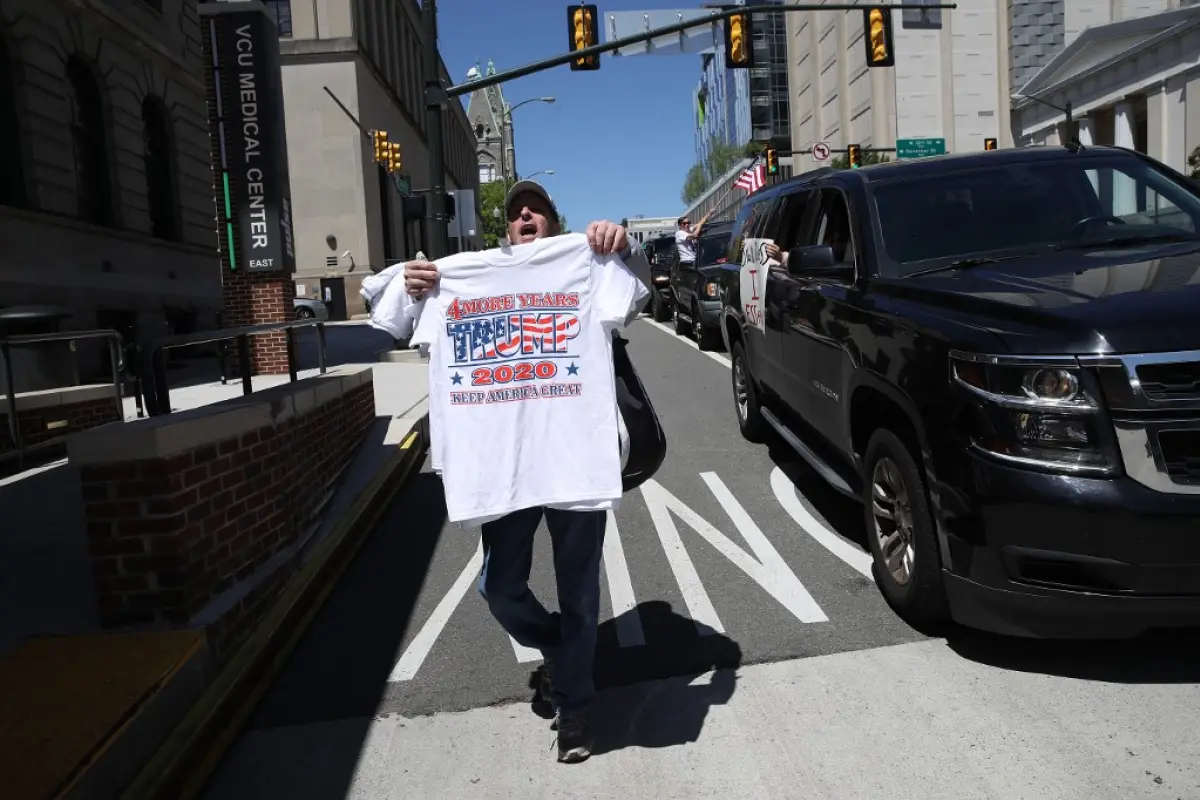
x=307, y=308
x=694, y=287
x=662, y=253
x=998, y=354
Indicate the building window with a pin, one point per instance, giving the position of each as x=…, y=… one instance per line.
x=921, y=19
x=158, y=160
x=93, y=171
x=12, y=174
x=282, y=11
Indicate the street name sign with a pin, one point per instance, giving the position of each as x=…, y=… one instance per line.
x=920, y=148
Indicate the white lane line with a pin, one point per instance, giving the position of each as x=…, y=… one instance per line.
x=770, y=571
x=720, y=359
x=785, y=493
x=525, y=655
x=414, y=655
x=659, y=500
x=620, y=588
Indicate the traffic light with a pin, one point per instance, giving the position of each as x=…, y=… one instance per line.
x=738, y=52
x=989, y=144
x=854, y=156
x=380, y=140
x=393, y=157
x=877, y=33
x=771, y=156
x=583, y=27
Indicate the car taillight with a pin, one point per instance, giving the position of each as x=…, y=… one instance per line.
x=720, y=261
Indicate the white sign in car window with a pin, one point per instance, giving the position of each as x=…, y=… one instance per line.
x=755, y=266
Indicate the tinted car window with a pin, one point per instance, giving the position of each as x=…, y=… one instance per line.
x=1020, y=207
x=713, y=249
x=744, y=226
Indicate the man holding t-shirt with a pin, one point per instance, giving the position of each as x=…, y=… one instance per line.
x=567, y=640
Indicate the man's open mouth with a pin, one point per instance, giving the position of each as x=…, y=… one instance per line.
x=529, y=229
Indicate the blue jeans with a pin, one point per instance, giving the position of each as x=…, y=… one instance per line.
x=568, y=637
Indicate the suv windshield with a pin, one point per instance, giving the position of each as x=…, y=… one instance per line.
x=713, y=250
x=1022, y=207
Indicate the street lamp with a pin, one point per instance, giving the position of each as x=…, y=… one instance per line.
x=534, y=175
x=506, y=147
x=1066, y=110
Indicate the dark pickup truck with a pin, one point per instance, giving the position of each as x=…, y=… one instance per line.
x=998, y=354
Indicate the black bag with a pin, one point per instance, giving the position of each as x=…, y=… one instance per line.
x=647, y=442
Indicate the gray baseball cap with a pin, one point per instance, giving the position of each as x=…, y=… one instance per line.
x=520, y=187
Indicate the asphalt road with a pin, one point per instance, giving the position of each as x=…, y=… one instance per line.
x=735, y=554
x=381, y=613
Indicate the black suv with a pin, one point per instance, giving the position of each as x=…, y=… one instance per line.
x=695, y=287
x=999, y=355
x=662, y=253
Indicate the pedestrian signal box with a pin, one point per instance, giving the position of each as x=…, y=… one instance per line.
x=989, y=144
x=583, y=27
x=738, y=51
x=877, y=33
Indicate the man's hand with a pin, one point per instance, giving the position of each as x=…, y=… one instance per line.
x=606, y=237
x=772, y=251
x=419, y=277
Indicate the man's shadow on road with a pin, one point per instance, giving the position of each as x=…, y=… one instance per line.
x=658, y=695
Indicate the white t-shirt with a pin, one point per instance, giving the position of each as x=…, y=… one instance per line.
x=687, y=250
x=522, y=402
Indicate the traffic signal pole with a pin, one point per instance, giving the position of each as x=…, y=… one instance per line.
x=437, y=95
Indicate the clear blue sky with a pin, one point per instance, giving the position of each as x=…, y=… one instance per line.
x=620, y=139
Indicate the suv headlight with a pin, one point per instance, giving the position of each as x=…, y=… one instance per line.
x=712, y=289
x=1044, y=413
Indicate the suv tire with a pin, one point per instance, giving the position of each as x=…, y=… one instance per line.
x=745, y=397
x=897, y=511
x=659, y=309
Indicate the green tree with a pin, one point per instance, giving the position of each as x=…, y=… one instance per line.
x=721, y=158
x=562, y=224
x=491, y=200
x=693, y=185
x=753, y=149
x=869, y=157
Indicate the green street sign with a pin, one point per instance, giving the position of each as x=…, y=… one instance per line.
x=402, y=185
x=920, y=148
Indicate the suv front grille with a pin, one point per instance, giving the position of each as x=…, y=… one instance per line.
x=1180, y=451
x=1178, y=380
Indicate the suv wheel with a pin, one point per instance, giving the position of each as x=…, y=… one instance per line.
x=659, y=308
x=706, y=338
x=681, y=327
x=900, y=531
x=745, y=397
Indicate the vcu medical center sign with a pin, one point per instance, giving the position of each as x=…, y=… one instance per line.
x=247, y=125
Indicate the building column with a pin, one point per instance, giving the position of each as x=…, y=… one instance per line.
x=1124, y=188
x=1087, y=138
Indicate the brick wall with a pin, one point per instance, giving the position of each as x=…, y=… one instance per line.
x=208, y=535
x=34, y=423
x=256, y=299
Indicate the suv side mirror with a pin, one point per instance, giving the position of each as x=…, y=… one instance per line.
x=817, y=261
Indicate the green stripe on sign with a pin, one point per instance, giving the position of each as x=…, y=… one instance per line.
x=229, y=236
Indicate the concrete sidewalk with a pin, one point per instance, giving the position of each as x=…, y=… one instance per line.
x=910, y=721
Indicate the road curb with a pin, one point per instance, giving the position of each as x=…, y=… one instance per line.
x=181, y=767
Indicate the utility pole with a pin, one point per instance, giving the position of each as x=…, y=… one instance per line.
x=436, y=228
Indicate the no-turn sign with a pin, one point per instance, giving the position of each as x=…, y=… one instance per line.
x=820, y=151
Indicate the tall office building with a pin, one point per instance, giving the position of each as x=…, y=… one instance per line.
x=956, y=72
x=348, y=216
x=721, y=105
x=106, y=204
x=770, y=115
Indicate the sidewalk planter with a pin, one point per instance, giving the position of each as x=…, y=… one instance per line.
x=197, y=519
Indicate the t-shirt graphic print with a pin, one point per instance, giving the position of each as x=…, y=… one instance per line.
x=522, y=396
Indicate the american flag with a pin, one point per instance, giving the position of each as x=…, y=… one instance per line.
x=752, y=179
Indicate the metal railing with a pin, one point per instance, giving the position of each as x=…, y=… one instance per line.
x=116, y=359
x=152, y=378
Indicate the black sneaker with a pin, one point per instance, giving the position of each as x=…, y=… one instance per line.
x=574, y=737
